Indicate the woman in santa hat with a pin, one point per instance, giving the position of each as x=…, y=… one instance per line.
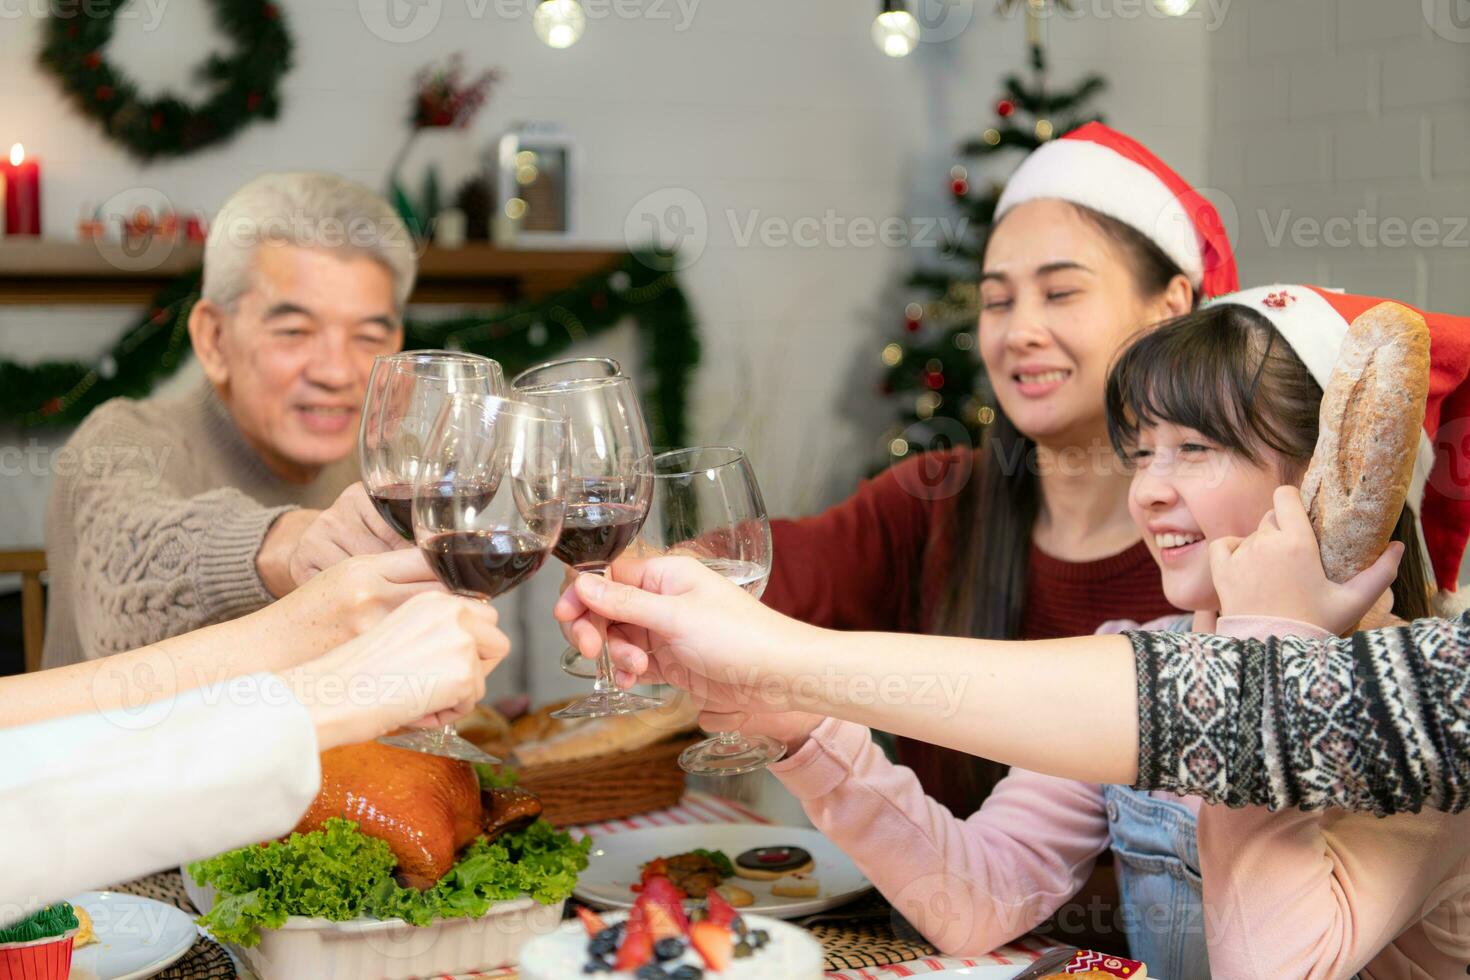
x=1028, y=537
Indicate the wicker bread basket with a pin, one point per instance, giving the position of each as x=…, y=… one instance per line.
x=610, y=786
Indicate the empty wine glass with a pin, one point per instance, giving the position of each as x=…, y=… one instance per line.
x=487, y=510
x=405, y=395
x=552, y=372
x=610, y=481
x=707, y=505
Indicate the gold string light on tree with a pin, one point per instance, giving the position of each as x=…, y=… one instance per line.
x=931, y=368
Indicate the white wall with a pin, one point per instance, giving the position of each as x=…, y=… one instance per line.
x=761, y=108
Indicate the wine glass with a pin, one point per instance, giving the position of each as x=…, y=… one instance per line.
x=608, y=489
x=552, y=372
x=405, y=394
x=707, y=504
x=487, y=510
x=566, y=369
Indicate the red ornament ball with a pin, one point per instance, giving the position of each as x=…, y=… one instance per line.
x=935, y=380
x=911, y=324
x=1005, y=108
x=959, y=188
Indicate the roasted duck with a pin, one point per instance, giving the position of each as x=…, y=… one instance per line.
x=424, y=807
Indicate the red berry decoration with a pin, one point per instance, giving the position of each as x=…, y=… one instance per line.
x=52, y=406
x=104, y=93
x=934, y=379
x=93, y=60
x=155, y=121
x=959, y=188
x=1005, y=108
x=252, y=102
x=270, y=12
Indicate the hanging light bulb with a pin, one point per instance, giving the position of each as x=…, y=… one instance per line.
x=895, y=30
x=559, y=23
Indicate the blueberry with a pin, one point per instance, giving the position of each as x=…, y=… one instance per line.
x=602, y=946
x=613, y=932
x=743, y=949
x=759, y=938
x=687, y=972
x=597, y=966
x=651, y=971
x=669, y=948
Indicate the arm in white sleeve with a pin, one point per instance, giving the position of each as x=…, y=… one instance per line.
x=90, y=800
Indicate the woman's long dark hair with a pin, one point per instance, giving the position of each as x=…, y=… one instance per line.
x=1226, y=372
x=987, y=533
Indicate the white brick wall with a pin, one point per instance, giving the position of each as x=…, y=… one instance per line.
x=1341, y=136
x=1357, y=111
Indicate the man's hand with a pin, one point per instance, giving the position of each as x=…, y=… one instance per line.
x=303, y=543
x=1277, y=572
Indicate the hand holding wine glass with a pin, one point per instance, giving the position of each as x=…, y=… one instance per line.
x=487, y=510
x=707, y=505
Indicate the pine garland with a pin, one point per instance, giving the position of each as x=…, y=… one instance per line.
x=62, y=393
x=243, y=86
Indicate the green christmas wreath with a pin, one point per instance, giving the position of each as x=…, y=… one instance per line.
x=240, y=87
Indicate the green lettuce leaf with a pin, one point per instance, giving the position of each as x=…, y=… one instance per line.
x=719, y=859
x=340, y=873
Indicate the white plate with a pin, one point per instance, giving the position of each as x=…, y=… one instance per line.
x=137, y=937
x=616, y=858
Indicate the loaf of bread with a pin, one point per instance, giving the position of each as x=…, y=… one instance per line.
x=1371, y=418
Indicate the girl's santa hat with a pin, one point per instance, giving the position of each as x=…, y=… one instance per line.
x=1110, y=173
x=1315, y=322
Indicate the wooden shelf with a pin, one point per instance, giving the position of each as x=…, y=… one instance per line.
x=45, y=273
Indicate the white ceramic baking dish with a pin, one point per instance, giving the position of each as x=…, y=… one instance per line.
x=390, y=948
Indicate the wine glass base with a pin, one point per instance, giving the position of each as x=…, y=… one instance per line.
x=605, y=705
x=576, y=665
x=433, y=742
x=731, y=757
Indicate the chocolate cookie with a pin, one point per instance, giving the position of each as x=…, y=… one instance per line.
x=770, y=863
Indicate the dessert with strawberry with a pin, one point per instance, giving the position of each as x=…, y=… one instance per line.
x=659, y=940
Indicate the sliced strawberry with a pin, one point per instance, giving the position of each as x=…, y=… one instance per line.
x=661, y=894
x=591, y=921
x=637, y=948
x=660, y=922
x=719, y=911
x=715, y=944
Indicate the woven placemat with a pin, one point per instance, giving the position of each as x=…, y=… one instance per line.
x=867, y=932
x=206, y=959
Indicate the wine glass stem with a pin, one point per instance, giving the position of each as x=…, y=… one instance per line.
x=604, y=683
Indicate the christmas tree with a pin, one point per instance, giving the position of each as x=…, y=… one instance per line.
x=933, y=369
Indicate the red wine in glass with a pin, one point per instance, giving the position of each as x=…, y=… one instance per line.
x=595, y=534
x=395, y=501
x=484, y=563
x=395, y=505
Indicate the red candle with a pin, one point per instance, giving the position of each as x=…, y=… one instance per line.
x=22, y=193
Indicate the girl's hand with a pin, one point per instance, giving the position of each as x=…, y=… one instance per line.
x=424, y=664
x=676, y=622
x=1277, y=572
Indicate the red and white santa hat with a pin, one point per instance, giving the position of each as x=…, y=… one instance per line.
x=1113, y=174
x=1315, y=322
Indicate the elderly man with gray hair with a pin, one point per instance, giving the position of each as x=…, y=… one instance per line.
x=192, y=510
